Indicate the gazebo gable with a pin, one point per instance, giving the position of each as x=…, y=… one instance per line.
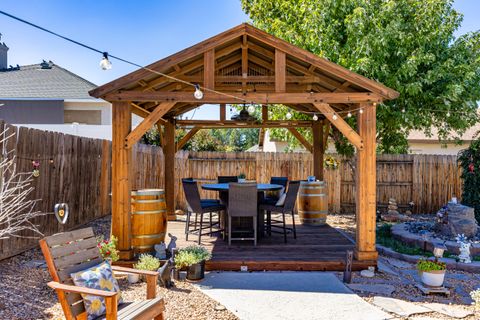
x=245, y=61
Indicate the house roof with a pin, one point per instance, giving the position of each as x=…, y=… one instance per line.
x=43, y=80
x=241, y=61
x=469, y=135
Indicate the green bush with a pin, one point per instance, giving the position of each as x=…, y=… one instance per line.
x=191, y=255
x=469, y=160
x=429, y=265
x=147, y=262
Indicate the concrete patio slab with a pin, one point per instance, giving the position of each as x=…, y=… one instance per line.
x=288, y=295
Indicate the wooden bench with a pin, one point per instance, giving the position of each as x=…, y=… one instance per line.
x=73, y=251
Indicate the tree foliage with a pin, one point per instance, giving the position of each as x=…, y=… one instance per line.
x=469, y=159
x=408, y=45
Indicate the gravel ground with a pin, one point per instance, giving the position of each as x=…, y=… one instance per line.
x=25, y=295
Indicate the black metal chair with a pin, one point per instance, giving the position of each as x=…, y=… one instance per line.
x=271, y=197
x=204, y=201
x=287, y=207
x=227, y=179
x=242, y=202
x=199, y=207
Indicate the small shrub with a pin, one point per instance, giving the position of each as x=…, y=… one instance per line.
x=147, y=262
x=242, y=176
x=476, y=298
x=469, y=160
x=429, y=265
x=191, y=255
x=108, y=248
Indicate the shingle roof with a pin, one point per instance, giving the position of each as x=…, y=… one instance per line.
x=44, y=80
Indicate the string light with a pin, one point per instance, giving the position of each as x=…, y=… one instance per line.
x=403, y=110
x=105, y=64
x=448, y=114
x=361, y=111
x=251, y=109
x=288, y=115
x=198, y=94
x=334, y=117
x=315, y=117
x=349, y=114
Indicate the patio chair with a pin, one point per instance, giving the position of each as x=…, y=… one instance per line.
x=285, y=208
x=74, y=251
x=242, y=202
x=271, y=197
x=200, y=207
x=227, y=179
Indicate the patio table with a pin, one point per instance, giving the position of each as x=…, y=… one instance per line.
x=261, y=188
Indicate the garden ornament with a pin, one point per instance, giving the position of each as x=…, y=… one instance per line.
x=61, y=212
x=172, y=244
x=160, y=251
x=464, y=255
x=347, y=274
x=165, y=272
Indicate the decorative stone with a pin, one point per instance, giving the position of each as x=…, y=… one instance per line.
x=393, y=211
x=408, y=212
x=457, y=219
x=179, y=212
x=384, y=268
x=450, y=311
x=432, y=290
x=392, y=207
x=399, y=307
x=382, y=289
x=219, y=307
x=367, y=273
x=395, y=217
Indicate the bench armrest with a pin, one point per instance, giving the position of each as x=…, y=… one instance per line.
x=135, y=271
x=82, y=290
x=151, y=277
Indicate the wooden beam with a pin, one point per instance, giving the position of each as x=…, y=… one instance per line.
x=366, y=186
x=264, y=113
x=280, y=71
x=209, y=69
x=121, y=178
x=301, y=138
x=340, y=124
x=326, y=133
x=244, y=62
x=261, y=138
x=256, y=97
x=318, y=150
x=169, y=158
x=223, y=112
x=240, y=124
x=147, y=123
x=187, y=137
x=160, y=134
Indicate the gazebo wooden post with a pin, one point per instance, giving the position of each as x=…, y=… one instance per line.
x=169, y=158
x=121, y=180
x=366, y=185
x=318, y=151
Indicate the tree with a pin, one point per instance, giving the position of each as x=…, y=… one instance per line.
x=408, y=45
x=469, y=160
x=16, y=207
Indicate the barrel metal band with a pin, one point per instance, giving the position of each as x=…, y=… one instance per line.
x=312, y=194
x=150, y=236
x=149, y=212
x=147, y=201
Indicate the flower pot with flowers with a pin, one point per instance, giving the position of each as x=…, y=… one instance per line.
x=145, y=262
x=432, y=272
x=192, y=258
x=108, y=248
x=242, y=177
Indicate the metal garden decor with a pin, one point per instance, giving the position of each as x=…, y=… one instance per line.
x=61, y=212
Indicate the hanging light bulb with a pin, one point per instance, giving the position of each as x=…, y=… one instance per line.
x=361, y=111
x=448, y=114
x=288, y=115
x=349, y=114
x=315, y=117
x=105, y=64
x=334, y=117
x=198, y=94
x=251, y=109
x=403, y=110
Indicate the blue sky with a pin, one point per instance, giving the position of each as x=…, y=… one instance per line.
x=140, y=31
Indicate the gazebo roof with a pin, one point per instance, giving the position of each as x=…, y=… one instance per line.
x=245, y=62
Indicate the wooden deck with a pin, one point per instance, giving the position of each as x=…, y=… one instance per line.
x=315, y=249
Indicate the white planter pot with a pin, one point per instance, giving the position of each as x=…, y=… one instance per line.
x=242, y=180
x=133, y=278
x=433, y=278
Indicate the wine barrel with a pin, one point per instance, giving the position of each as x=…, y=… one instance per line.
x=313, y=203
x=149, y=219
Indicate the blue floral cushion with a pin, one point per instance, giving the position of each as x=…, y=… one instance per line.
x=97, y=277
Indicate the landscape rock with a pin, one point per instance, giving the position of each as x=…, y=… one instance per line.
x=399, y=307
x=457, y=219
x=450, y=311
x=382, y=289
x=367, y=273
x=384, y=268
x=395, y=217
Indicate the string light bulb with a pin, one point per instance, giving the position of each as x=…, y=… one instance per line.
x=251, y=109
x=448, y=114
x=105, y=64
x=315, y=117
x=403, y=110
x=288, y=116
x=334, y=117
x=349, y=114
x=361, y=111
x=198, y=94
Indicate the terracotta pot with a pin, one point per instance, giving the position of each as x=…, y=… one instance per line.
x=433, y=278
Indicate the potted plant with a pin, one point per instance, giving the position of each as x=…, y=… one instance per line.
x=145, y=262
x=432, y=272
x=242, y=178
x=108, y=248
x=192, y=258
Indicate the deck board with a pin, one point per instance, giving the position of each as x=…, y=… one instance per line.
x=316, y=248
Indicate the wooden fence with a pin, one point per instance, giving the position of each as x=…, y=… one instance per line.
x=77, y=171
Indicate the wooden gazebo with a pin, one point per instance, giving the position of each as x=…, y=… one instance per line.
x=244, y=65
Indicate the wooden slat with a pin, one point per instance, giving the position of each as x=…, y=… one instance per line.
x=301, y=139
x=318, y=149
x=223, y=112
x=169, y=156
x=60, y=251
x=147, y=123
x=64, y=274
x=69, y=236
x=76, y=258
x=280, y=71
x=209, y=69
x=340, y=124
x=187, y=137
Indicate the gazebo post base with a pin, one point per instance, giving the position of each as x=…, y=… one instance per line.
x=125, y=255
x=366, y=255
